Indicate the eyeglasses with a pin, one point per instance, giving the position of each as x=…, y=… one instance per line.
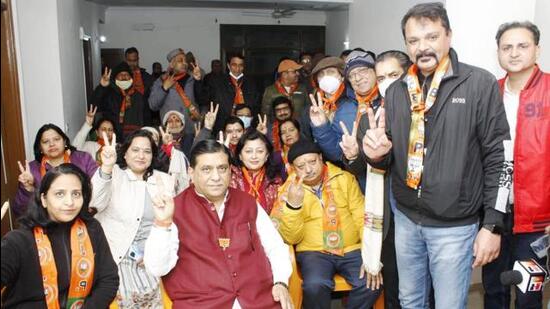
x=359, y=73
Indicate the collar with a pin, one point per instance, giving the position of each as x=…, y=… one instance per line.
x=236, y=77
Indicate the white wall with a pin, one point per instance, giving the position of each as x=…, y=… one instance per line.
x=50, y=63
x=337, y=32
x=90, y=13
x=376, y=25
x=542, y=20
x=38, y=59
x=474, y=30
x=192, y=29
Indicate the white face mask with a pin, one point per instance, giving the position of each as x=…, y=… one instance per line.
x=329, y=84
x=383, y=86
x=246, y=121
x=124, y=84
x=235, y=77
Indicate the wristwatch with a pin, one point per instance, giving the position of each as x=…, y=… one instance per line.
x=493, y=228
x=281, y=283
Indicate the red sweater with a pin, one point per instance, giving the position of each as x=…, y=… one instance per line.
x=532, y=155
x=206, y=276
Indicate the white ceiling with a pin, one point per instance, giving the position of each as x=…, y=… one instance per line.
x=321, y=5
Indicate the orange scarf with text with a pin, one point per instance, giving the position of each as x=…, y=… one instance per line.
x=282, y=90
x=82, y=266
x=239, y=98
x=138, y=81
x=419, y=106
x=329, y=104
x=193, y=112
x=333, y=238
x=46, y=159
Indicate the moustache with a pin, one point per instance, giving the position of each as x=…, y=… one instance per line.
x=425, y=54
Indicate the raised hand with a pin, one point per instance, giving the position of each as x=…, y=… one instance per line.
x=349, y=144
x=197, y=127
x=296, y=192
x=106, y=77
x=90, y=115
x=169, y=81
x=163, y=205
x=26, y=178
x=376, y=143
x=197, y=74
x=373, y=281
x=262, y=124
x=166, y=137
x=317, y=112
x=223, y=141
x=210, y=117
x=108, y=154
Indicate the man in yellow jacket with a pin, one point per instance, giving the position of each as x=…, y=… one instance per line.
x=320, y=209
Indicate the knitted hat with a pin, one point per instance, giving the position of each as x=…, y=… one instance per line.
x=180, y=115
x=301, y=148
x=174, y=53
x=288, y=64
x=121, y=67
x=329, y=62
x=357, y=59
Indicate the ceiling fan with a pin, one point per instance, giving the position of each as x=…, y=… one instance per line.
x=277, y=13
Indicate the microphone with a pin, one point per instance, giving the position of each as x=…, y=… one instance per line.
x=528, y=276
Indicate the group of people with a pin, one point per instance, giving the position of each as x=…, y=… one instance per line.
x=398, y=171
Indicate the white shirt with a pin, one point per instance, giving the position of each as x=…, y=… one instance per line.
x=511, y=105
x=159, y=260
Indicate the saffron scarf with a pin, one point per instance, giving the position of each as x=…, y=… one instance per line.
x=46, y=159
x=419, y=106
x=82, y=266
x=101, y=143
x=364, y=102
x=282, y=90
x=138, y=81
x=193, y=112
x=253, y=186
x=329, y=104
x=275, y=135
x=239, y=98
x=126, y=103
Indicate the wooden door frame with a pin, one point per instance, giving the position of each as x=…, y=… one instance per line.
x=13, y=142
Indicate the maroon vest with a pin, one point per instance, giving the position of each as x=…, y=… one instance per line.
x=206, y=276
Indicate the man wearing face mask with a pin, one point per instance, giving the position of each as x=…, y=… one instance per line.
x=116, y=98
x=286, y=86
x=389, y=67
x=232, y=89
x=244, y=113
x=176, y=89
x=331, y=105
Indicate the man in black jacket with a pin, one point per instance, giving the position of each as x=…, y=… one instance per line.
x=441, y=138
x=232, y=89
x=142, y=83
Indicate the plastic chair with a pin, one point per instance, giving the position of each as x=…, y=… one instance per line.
x=295, y=285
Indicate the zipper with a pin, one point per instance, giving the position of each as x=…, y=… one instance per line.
x=419, y=191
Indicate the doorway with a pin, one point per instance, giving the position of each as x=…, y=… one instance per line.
x=264, y=45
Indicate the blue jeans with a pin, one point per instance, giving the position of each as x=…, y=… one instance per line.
x=318, y=270
x=441, y=254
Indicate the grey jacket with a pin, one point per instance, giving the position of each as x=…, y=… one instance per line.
x=165, y=101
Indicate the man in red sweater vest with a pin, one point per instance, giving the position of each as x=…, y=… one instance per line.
x=214, y=246
x=524, y=91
